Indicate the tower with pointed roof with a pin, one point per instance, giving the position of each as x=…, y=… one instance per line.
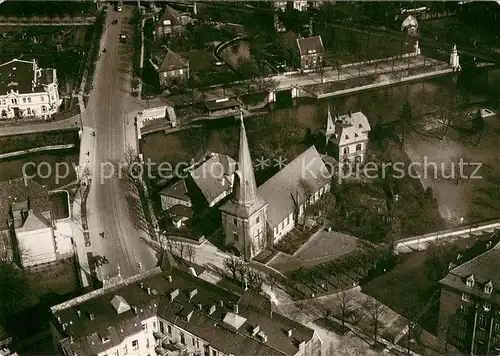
x=244, y=215
x=330, y=127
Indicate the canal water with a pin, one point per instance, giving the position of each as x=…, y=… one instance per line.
x=379, y=105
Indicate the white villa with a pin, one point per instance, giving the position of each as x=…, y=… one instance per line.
x=27, y=90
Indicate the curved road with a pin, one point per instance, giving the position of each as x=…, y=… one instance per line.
x=107, y=207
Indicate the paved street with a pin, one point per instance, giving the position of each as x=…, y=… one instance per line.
x=107, y=207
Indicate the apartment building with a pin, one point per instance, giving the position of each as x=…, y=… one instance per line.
x=469, y=315
x=175, y=313
x=27, y=91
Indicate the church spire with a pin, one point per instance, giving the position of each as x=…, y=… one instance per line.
x=245, y=186
x=330, y=127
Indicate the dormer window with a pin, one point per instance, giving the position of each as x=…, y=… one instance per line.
x=488, y=287
x=470, y=281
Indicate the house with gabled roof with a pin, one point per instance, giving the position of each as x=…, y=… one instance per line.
x=311, y=52
x=172, y=67
x=469, y=314
x=171, y=22
x=344, y=137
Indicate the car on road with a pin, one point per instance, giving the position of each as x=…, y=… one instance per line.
x=114, y=22
x=123, y=37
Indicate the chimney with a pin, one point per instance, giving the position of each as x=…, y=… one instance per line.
x=149, y=290
x=170, y=278
x=91, y=316
x=193, y=293
x=79, y=313
x=236, y=309
x=212, y=309
x=289, y=333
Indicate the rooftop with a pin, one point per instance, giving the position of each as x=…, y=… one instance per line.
x=206, y=323
x=17, y=75
x=172, y=61
x=18, y=190
x=221, y=104
x=280, y=191
x=177, y=190
x=350, y=128
x=310, y=45
x=484, y=269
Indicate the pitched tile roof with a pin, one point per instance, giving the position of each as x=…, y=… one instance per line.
x=172, y=61
x=213, y=176
x=177, y=190
x=350, y=128
x=181, y=211
x=281, y=189
x=172, y=15
x=210, y=328
x=310, y=45
x=16, y=190
x=484, y=268
x=34, y=222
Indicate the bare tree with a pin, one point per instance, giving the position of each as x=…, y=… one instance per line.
x=181, y=247
x=233, y=265
x=345, y=299
x=254, y=279
x=375, y=311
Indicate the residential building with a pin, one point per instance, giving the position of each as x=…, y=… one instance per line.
x=345, y=137
x=161, y=113
x=469, y=315
x=280, y=5
x=175, y=194
x=300, y=5
x=175, y=313
x=172, y=69
x=172, y=22
x=254, y=219
x=311, y=52
x=27, y=91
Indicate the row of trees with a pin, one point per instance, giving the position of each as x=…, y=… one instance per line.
x=242, y=274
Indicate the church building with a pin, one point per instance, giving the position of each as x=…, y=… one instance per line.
x=254, y=219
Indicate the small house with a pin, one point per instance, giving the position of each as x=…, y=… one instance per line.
x=311, y=52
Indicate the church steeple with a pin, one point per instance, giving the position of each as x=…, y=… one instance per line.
x=245, y=187
x=330, y=127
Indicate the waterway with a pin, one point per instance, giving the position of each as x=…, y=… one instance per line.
x=379, y=105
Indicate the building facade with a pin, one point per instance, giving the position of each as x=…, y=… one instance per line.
x=345, y=137
x=311, y=52
x=469, y=315
x=175, y=313
x=27, y=91
x=171, y=22
x=172, y=69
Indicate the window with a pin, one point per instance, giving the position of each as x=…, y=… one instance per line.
x=235, y=222
x=52, y=97
x=257, y=219
x=145, y=327
x=288, y=219
x=44, y=108
x=125, y=350
x=214, y=352
x=135, y=344
x=487, y=306
x=169, y=330
x=162, y=327
x=463, y=323
x=181, y=71
x=482, y=321
x=346, y=150
x=465, y=297
x=488, y=288
x=3, y=101
x=14, y=101
x=463, y=310
x=359, y=147
x=235, y=236
x=183, y=339
x=461, y=334
x=29, y=100
x=147, y=343
x=24, y=100
x=470, y=281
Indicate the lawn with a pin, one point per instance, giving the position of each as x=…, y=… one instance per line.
x=28, y=141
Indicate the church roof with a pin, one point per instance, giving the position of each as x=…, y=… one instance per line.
x=282, y=188
x=245, y=200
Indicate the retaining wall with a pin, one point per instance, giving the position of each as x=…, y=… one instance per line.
x=37, y=149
